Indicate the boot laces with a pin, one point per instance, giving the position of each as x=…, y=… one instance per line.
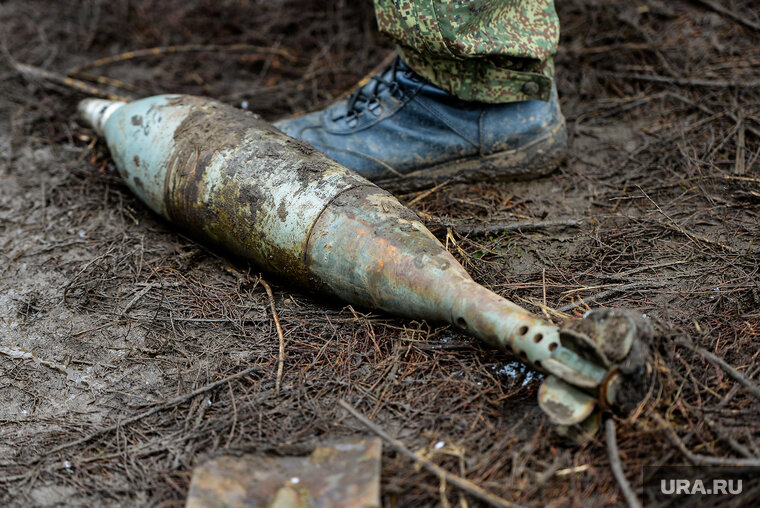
x=367, y=95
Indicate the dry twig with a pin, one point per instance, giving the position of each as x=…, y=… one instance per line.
x=495, y=227
x=281, y=337
x=75, y=84
x=699, y=459
x=729, y=13
x=617, y=467
x=738, y=376
x=157, y=409
x=612, y=291
x=705, y=83
x=443, y=475
x=683, y=231
x=186, y=48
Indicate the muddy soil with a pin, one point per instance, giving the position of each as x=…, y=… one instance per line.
x=107, y=313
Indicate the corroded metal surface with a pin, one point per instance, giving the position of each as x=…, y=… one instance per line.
x=342, y=475
x=370, y=249
x=229, y=178
x=226, y=176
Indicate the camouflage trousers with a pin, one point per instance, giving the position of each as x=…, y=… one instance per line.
x=479, y=50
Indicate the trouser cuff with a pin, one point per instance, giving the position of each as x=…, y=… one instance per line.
x=491, y=80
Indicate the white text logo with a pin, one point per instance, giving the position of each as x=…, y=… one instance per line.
x=698, y=487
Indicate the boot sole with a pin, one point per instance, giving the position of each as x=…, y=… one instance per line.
x=538, y=158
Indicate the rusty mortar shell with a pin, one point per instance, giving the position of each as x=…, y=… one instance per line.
x=230, y=179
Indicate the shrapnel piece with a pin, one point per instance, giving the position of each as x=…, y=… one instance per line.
x=338, y=475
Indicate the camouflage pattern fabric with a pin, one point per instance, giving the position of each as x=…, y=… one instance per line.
x=479, y=50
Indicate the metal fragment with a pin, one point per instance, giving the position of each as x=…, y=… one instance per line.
x=340, y=475
x=564, y=403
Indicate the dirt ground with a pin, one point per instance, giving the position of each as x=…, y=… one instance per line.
x=107, y=313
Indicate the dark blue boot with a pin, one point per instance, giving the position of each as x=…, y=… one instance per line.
x=403, y=133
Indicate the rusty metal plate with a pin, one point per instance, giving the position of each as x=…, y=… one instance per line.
x=340, y=475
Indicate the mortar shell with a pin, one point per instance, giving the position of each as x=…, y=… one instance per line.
x=226, y=177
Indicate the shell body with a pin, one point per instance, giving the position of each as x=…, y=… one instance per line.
x=226, y=177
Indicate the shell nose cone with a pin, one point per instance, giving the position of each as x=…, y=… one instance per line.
x=96, y=112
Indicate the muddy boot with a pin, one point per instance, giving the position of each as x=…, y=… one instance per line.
x=404, y=133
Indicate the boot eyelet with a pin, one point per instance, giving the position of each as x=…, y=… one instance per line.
x=375, y=107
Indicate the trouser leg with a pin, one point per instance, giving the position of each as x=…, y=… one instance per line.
x=479, y=50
